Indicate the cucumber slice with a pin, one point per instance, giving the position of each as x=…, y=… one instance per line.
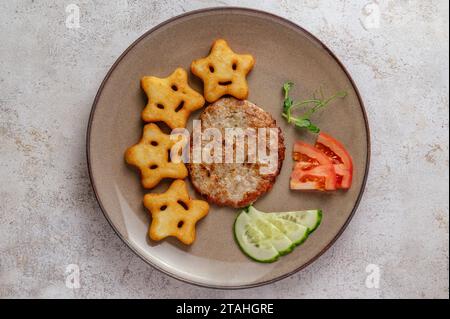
x=278, y=239
x=264, y=237
x=308, y=218
x=252, y=241
x=295, y=232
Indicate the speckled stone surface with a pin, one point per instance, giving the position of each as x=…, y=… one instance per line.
x=396, y=51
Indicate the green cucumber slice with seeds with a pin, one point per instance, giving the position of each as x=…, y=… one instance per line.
x=295, y=232
x=307, y=218
x=265, y=236
x=279, y=240
x=252, y=241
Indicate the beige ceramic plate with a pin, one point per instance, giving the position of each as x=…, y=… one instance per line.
x=283, y=51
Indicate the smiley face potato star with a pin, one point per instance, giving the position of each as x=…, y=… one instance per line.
x=151, y=156
x=174, y=213
x=170, y=99
x=223, y=72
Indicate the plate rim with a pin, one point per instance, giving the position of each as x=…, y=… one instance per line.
x=218, y=9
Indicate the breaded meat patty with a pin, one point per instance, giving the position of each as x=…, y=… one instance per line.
x=238, y=183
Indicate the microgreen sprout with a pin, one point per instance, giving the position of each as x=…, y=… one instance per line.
x=315, y=104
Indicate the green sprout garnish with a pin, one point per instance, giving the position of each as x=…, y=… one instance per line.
x=303, y=121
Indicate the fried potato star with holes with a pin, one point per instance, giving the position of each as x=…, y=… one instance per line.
x=223, y=72
x=152, y=156
x=174, y=213
x=170, y=99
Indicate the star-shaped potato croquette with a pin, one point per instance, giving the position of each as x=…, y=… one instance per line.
x=223, y=72
x=152, y=156
x=170, y=99
x=174, y=213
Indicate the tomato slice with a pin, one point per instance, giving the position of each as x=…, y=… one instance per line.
x=309, y=155
x=321, y=177
x=313, y=170
x=340, y=158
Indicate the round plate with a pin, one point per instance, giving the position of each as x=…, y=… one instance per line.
x=283, y=51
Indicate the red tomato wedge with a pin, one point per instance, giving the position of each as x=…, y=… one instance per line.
x=309, y=155
x=313, y=170
x=340, y=158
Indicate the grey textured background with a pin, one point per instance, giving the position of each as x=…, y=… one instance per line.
x=49, y=75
